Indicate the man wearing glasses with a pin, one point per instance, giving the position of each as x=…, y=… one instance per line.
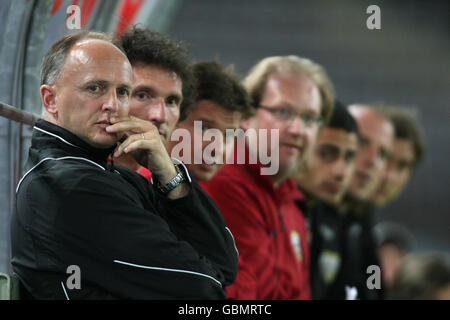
x=292, y=96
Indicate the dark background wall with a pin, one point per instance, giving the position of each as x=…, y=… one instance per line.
x=406, y=62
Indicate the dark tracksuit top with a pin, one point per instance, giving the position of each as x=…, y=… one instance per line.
x=327, y=242
x=342, y=247
x=130, y=242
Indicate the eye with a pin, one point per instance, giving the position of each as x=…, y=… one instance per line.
x=141, y=95
x=172, y=101
x=205, y=127
x=363, y=143
x=282, y=113
x=308, y=118
x=328, y=153
x=123, y=92
x=402, y=165
x=349, y=156
x=383, y=153
x=327, y=156
x=94, y=88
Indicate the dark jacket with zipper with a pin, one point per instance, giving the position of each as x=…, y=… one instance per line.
x=128, y=241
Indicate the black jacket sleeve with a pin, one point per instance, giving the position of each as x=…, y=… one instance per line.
x=191, y=218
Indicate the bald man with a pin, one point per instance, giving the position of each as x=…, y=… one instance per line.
x=86, y=229
x=376, y=138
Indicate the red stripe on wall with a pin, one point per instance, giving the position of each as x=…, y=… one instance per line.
x=56, y=5
x=128, y=10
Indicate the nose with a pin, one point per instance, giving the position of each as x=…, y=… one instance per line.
x=296, y=127
x=391, y=174
x=370, y=156
x=157, y=111
x=111, y=103
x=338, y=169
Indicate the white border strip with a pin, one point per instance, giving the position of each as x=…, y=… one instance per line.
x=166, y=269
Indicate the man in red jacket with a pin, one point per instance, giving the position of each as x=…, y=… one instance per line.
x=292, y=96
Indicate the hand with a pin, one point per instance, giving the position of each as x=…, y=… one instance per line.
x=143, y=142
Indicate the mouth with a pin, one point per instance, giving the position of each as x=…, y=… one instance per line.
x=207, y=166
x=103, y=123
x=292, y=147
x=362, y=177
x=332, y=187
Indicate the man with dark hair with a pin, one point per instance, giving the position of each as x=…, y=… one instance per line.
x=407, y=153
x=222, y=103
x=163, y=84
x=86, y=229
x=324, y=179
x=328, y=170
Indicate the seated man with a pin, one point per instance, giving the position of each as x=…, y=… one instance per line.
x=324, y=179
x=407, y=152
x=163, y=84
x=221, y=104
x=376, y=136
x=292, y=96
x=128, y=238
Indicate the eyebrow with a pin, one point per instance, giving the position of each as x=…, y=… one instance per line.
x=291, y=107
x=105, y=83
x=206, y=120
x=153, y=90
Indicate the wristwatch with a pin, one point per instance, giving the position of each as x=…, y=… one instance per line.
x=172, y=184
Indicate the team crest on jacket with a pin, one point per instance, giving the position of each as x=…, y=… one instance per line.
x=297, y=245
x=329, y=263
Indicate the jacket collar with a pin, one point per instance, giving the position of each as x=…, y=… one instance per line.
x=286, y=191
x=48, y=136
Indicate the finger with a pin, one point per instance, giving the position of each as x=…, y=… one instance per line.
x=123, y=148
x=137, y=145
x=133, y=125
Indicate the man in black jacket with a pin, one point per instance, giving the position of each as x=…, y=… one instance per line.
x=74, y=211
x=376, y=133
x=324, y=179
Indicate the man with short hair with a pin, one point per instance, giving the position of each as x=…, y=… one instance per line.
x=74, y=211
x=291, y=96
x=327, y=172
x=376, y=136
x=163, y=84
x=407, y=153
x=222, y=103
x=324, y=179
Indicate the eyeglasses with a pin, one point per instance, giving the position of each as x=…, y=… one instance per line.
x=286, y=115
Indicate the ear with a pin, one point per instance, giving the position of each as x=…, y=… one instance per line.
x=48, y=97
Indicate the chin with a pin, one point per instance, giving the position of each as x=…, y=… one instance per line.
x=103, y=144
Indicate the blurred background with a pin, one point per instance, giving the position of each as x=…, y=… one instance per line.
x=406, y=63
